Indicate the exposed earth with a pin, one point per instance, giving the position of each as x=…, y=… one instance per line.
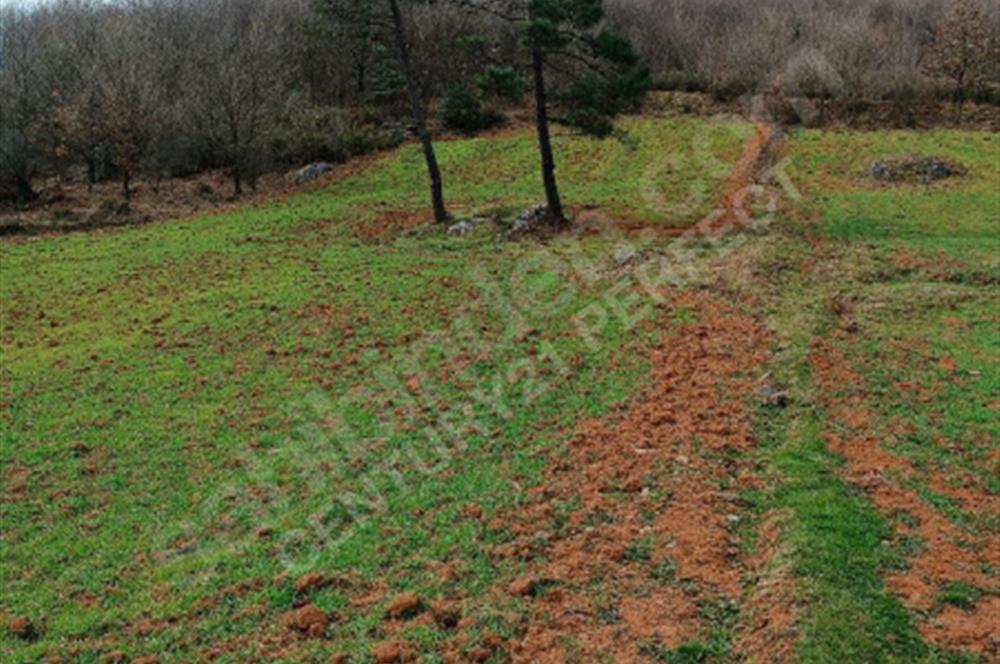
x=790, y=456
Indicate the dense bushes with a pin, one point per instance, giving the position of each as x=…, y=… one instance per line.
x=307, y=132
x=463, y=111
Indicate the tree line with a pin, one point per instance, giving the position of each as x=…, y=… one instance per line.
x=163, y=88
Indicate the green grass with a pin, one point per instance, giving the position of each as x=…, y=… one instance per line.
x=917, y=267
x=836, y=538
x=195, y=412
x=954, y=215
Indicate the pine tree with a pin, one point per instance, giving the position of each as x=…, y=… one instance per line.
x=383, y=21
x=596, y=73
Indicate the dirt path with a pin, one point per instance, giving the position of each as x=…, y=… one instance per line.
x=647, y=551
x=637, y=524
x=730, y=210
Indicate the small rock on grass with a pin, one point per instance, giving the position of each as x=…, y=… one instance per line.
x=528, y=220
x=771, y=393
x=312, y=172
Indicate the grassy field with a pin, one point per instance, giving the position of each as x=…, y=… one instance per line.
x=196, y=415
x=186, y=404
x=883, y=300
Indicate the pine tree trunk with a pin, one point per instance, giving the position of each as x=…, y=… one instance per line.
x=553, y=202
x=419, y=114
x=126, y=179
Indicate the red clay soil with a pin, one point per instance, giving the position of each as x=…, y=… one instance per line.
x=949, y=554
x=768, y=627
x=732, y=209
x=387, y=225
x=650, y=535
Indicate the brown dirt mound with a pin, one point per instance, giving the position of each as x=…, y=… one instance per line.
x=650, y=535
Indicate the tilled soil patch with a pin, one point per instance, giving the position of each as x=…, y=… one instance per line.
x=947, y=554
x=648, y=552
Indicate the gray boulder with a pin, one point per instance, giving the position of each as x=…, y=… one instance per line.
x=528, y=220
x=312, y=172
x=466, y=226
x=461, y=228
x=913, y=169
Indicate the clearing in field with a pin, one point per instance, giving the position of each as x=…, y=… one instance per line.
x=325, y=429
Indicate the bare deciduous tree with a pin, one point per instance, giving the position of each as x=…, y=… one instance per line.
x=21, y=101
x=237, y=83
x=961, y=51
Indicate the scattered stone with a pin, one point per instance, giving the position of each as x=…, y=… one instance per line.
x=403, y=605
x=22, y=628
x=625, y=255
x=879, y=170
x=145, y=660
x=310, y=581
x=771, y=393
x=339, y=658
x=529, y=220
x=466, y=226
x=312, y=172
x=913, y=169
x=461, y=228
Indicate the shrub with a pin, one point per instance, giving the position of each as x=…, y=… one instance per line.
x=501, y=83
x=678, y=80
x=461, y=110
x=309, y=133
x=726, y=90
